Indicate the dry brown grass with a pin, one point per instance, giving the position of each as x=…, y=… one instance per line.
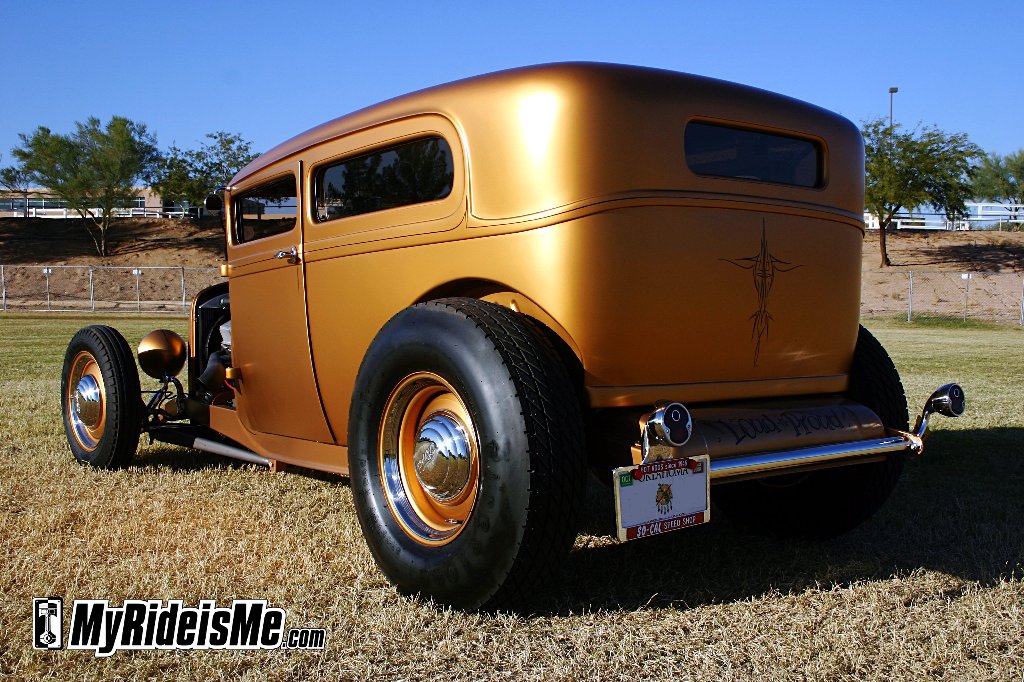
x=930, y=588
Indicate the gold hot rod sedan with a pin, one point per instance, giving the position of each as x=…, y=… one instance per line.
x=467, y=297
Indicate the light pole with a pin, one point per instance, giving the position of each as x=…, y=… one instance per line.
x=892, y=91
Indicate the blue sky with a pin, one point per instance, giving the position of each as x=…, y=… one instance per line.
x=271, y=69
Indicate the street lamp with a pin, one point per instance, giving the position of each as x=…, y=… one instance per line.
x=892, y=91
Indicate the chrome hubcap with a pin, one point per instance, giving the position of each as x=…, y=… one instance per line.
x=85, y=401
x=87, y=405
x=441, y=456
x=429, y=459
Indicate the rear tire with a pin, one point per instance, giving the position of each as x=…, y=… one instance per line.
x=827, y=503
x=101, y=398
x=483, y=527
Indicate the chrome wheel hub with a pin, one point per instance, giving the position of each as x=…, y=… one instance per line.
x=87, y=404
x=428, y=458
x=85, y=401
x=441, y=457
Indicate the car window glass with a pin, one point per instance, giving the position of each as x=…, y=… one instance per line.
x=266, y=210
x=409, y=173
x=728, y=152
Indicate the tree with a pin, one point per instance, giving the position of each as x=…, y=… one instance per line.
x=908, y=169
x=187, y=177
x=94, y=170
x=1001, y=179
x=17, y=181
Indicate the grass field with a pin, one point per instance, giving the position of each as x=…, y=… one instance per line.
x=932, y=587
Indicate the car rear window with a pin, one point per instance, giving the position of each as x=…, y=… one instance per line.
x=409, y=173
x=746, y=154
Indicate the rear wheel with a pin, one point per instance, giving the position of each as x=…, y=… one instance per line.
x=823, y=504
x=101, y=398
x=466, y=454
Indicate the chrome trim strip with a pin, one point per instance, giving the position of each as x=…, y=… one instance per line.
x=229, y=451
x=762, y=462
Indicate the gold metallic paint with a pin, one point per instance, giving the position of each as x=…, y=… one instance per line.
x=277, y=393
x=571, y=198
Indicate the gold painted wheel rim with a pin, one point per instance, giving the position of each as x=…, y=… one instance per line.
x=428, y=458
x=86, y=401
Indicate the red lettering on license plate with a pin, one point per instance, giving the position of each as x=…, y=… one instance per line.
x=658, y=527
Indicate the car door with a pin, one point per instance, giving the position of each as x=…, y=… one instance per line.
x=277, y=392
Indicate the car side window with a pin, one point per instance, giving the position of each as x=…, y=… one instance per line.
x=401, y=175
x=266, y=210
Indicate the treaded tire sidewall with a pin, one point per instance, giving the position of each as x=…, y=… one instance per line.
x=514, y=532
x=122, y=394
x=824, y=504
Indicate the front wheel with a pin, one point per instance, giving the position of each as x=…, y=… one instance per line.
x=466, y=453
x=101, y=398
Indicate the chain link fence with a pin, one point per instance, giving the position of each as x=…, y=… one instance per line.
x=76, y=288
x=985, y=296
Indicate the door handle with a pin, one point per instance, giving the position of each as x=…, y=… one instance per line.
x=291, y=256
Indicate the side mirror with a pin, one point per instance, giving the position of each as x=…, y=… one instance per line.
x=214, y=203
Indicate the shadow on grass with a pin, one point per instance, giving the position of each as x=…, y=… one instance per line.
x=957, y=510
x=174, y=458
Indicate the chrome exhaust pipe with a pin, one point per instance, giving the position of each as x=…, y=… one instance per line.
x=670, y=426
x=230, y=451
x=187, y=437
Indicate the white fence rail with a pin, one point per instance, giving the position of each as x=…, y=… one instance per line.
x=77, y=288
x=980, y=216
x=133, y=212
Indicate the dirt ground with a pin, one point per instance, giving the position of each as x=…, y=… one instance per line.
x=170, y=242
x=961, y=251
x=110, y=283
x=134, y=242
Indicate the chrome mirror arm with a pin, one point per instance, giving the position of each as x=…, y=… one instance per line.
x=948, y=400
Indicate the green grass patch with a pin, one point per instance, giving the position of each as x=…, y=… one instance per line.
x=932, y=321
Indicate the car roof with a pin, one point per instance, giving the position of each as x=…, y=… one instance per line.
x=612, y=126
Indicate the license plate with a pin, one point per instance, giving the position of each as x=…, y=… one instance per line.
x=655, y=498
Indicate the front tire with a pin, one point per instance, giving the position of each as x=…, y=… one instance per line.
x=101, y=398
x=466, y=454
x=824, y=504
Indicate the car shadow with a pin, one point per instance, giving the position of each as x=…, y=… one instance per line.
x=957, y=510
x=176, y=458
